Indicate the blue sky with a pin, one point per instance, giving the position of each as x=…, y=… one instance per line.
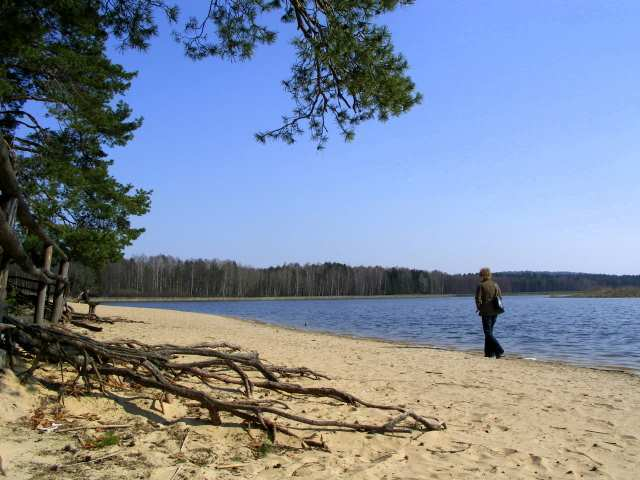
x=523, y=155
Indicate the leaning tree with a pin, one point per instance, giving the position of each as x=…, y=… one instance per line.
x=62, y=106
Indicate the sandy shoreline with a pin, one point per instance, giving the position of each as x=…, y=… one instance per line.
x=479, y=351
x=508, y=418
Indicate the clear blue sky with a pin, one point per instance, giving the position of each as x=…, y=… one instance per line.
x=523, y=155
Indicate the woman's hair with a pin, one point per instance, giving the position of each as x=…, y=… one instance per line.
x=485, y=273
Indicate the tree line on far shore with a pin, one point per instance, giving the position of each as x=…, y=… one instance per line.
x=166, y=276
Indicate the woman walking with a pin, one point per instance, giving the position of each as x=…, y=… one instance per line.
x=487, y=294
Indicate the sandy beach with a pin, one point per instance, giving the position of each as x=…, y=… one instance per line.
x=509, y=418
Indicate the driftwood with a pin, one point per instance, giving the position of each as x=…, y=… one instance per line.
x=220, y=377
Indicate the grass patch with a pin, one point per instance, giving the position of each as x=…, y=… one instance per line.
x=107, y=440
x=265, y=448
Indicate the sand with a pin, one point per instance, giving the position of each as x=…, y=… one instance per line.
x=509, y=418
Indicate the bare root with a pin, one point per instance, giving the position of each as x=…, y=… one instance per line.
x=220, y=377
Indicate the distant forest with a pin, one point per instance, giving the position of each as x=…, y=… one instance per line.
x=165, y=276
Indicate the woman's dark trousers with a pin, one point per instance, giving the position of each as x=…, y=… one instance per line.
x=492, y=347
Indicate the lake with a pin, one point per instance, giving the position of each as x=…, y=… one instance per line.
x=585, y=331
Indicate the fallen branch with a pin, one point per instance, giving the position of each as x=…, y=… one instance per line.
x=85, y=325
x=231, y=466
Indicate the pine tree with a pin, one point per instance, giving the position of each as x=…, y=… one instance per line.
x=59, y=109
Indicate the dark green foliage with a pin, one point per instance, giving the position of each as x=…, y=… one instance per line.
x=59, y=108
x=237, y=31
x=86, y=208
x=53, y=54
x=346, y=70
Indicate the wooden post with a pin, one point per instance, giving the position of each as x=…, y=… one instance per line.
x=42, y=289
x=58, y=302
x=11, y=209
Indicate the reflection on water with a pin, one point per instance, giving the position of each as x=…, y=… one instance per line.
x=578, y=330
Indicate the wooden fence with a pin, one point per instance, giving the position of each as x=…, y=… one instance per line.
x=14, y=209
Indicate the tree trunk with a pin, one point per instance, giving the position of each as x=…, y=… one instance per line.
x=9, y=211
x=58, y=302
x=42, y=289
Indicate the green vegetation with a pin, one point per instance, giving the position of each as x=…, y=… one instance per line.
x=265, y=448
x=60, y=107
x=107, y=440
x=167, y=277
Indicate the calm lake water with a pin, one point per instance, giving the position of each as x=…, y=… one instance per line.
x=584, y=331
